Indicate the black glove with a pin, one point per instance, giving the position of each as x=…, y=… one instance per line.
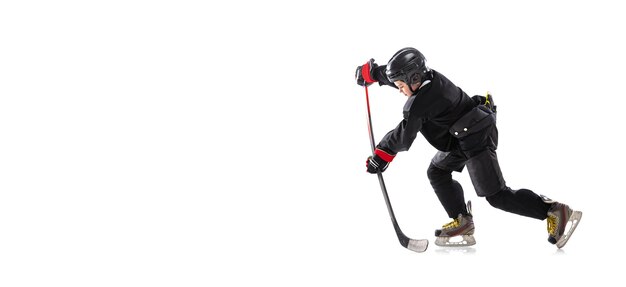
x=486, y=100
x=365, y=74
x=379, y=162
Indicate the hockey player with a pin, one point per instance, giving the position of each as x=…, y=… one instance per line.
x=464, y=132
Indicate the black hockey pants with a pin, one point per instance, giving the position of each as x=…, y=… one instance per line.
x=478, y=152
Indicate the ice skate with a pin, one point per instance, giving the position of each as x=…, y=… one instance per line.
x=459, y=232
x=560, y=217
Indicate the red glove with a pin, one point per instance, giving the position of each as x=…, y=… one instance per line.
x=379, y=162
x=365, y=74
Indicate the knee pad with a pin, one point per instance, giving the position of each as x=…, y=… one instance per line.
x=494, y=200
x=440, y=177
x=435, y=174
x=500, y=198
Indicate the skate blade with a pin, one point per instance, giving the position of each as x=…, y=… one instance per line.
x=574, y=219
x=466, y=240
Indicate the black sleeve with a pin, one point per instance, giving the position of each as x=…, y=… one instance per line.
x=401, y=138
x=381, y=76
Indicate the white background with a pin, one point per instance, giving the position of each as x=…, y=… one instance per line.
x=194, y=143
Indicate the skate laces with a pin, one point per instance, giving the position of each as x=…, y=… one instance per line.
x=455, y=223
x=552, y=224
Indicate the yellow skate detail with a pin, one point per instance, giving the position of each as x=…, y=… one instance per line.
x=553, y=222
x=455, y=223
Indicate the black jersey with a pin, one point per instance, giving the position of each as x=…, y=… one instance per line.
x=431, y=110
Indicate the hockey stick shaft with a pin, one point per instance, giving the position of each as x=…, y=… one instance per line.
x=415, y=245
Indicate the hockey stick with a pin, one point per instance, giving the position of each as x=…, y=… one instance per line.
x=417, y=245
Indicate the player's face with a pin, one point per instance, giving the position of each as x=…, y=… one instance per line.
x=404, y=88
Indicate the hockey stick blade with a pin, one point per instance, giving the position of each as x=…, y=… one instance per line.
x=417, y=245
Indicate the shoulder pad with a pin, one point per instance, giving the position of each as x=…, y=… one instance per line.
x=408, y=106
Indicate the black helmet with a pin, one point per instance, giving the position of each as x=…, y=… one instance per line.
x=407, y=65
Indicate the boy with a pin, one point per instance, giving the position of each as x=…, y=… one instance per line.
x=464, y=132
